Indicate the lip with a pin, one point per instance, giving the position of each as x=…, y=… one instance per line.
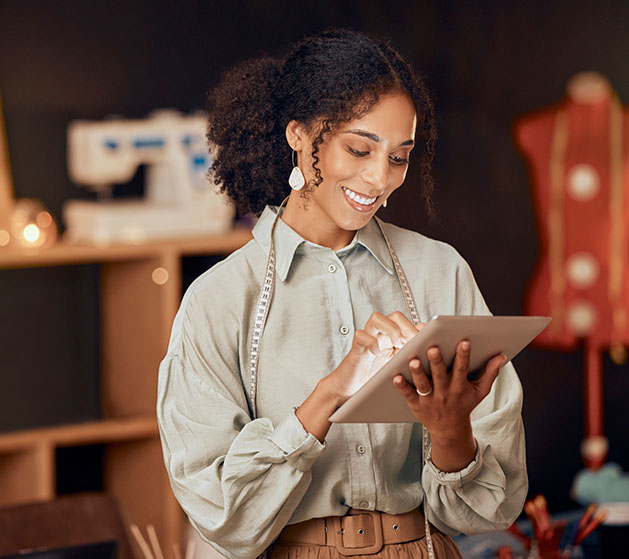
x=356, y=205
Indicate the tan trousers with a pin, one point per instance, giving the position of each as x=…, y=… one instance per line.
x=444, y=546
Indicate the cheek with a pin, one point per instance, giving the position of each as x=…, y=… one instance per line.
x=336, y=164
x=398, y=175
x=342, y=167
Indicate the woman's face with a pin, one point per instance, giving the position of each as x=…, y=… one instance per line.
x=361, y=164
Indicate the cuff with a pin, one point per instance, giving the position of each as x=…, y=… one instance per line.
x=300, y=448
x=455, y=480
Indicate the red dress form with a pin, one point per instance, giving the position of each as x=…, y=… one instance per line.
x=578, y=155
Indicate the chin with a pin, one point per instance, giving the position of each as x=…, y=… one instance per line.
x=355, y=222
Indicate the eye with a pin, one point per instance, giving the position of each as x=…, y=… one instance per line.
x=357, y=152
x=397, y=160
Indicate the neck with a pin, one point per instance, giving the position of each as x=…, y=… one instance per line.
x=303, y=216
x=589, y=88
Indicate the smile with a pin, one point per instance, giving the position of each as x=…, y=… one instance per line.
x=354, y=196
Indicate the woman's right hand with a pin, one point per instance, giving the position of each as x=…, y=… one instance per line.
x=371, y=348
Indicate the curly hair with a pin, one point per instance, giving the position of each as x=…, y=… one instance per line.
x=324, y=81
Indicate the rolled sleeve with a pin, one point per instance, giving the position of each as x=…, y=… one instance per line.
x=454, y=480
x=300, y=448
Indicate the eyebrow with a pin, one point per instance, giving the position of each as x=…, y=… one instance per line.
x=375, y=138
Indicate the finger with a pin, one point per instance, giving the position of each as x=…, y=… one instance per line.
x=365, y=342
x=408, y=392
x=407, y=328
x=492, y=369
x=420, y=378
x=378, y=324
x=438, y=369
x=461, y=364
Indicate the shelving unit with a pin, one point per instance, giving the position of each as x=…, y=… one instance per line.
x=140, y=291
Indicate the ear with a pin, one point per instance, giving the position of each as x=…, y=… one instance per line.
x=296, y=135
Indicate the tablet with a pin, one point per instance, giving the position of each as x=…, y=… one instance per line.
x=378, y=401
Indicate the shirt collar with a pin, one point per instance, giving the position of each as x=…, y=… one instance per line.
x=372, y=238
x=287, y=241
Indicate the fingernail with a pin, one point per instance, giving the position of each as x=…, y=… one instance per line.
x=465, y=345
x=415, y=363
x=397, y=380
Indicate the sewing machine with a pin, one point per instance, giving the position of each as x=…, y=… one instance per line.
x=179, y=201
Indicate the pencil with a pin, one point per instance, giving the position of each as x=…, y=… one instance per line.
x=599, y=518
x=190, y=549
x=531, y=512
x=157, y=550
x=144, y=547
x=587, y=515
x=544, y=517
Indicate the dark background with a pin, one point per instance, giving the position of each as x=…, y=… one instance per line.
x=486, y=63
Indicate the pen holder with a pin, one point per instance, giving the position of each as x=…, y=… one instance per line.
x=553, y=545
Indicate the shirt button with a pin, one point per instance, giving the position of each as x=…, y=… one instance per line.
x=331, y=268
x=344, y=330
x=361, y=449
x=363, y=504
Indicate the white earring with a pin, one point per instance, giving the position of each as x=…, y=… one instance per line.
x=296, y=179
x=384, y=204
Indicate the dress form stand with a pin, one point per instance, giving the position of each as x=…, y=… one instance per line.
x=577, y=154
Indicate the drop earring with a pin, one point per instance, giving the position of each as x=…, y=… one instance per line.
x=296, y=179
x=384, y=204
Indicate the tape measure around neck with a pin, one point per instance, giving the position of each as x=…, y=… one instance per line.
x=261, y=313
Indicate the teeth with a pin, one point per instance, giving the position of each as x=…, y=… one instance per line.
x=360, y=199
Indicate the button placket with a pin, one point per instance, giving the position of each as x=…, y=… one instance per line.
x=359, y=453
x=341, y=309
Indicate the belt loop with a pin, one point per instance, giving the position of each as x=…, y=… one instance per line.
x=339, y=532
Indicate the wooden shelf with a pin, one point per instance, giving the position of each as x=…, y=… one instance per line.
x=136, y=313
x=63, y=253
x=93, y=432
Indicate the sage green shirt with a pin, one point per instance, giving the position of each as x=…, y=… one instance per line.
x=241, y=481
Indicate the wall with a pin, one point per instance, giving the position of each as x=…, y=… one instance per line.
x=486, y=63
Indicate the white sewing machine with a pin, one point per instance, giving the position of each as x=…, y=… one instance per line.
x=179, y=201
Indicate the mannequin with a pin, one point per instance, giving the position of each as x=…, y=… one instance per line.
x=577, y=154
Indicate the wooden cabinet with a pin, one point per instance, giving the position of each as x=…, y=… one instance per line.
x=140, y=291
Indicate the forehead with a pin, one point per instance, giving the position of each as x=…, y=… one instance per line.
x=392, y=119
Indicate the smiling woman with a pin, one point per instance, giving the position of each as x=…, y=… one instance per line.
x=360, y=165
x=271, y=341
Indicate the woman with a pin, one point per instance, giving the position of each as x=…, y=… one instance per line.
x=268, y=343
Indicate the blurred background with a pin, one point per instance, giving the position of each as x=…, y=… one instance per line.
x=487, y=63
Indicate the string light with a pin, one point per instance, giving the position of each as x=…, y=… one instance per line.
x=32, y=226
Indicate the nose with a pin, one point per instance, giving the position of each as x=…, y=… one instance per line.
x=376, y=174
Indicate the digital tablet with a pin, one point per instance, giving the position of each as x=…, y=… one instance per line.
x=378, y=401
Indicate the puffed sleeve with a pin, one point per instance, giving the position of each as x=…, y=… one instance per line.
x=238, y=480
x=489, y=493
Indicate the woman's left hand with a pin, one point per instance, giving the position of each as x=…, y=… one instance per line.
x=444, y=404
